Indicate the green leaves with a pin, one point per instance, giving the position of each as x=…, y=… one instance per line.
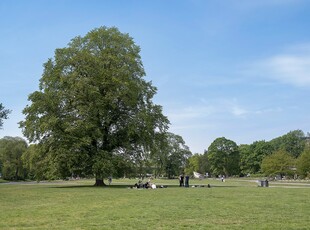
x=92, y=102
x=303, y=164
x=293, y=142
x=3, y=114
x=252, y=156
x=223, y=156
x=11, y=164
x=280, y=162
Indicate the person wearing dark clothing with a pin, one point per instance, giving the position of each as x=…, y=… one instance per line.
x=186, y=181
x=181, y=179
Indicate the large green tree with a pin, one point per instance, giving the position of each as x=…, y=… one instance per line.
x=293, y=142
x=93, y=105
x=253, y=155
x=3, y=114
x=176, y=154
x=11, y=164
x=223, y=157
x=279, y=163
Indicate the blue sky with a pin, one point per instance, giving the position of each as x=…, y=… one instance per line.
x=232, y=68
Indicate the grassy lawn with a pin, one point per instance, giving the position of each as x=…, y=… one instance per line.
x=2, y=181
x=234, y=204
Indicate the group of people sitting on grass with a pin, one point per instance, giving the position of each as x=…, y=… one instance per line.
x=147, y=185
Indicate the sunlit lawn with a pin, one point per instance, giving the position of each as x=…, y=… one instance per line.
x=234, y=204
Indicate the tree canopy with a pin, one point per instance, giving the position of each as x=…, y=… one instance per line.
x=223, y=156
x=177, y=154
x=279, y=163
x=93, y=105
x=11, y=164
x=293, y=142
x=252, y=156
x=198, y=163
x=303, y=163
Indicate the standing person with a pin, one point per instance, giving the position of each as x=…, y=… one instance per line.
x=181, y=180
x=186, y=181
x=110, y=180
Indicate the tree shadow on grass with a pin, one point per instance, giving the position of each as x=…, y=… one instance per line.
x=91, y=186
x=127, y=186
x=112, y=186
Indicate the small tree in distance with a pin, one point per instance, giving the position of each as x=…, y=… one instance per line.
x=11, y=164
x=279, y=163
x=223, y=157
x=303, y=164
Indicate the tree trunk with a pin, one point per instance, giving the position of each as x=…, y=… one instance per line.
x=99, y=182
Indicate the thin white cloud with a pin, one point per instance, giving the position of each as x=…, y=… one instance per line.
x=213, y=111
x=268, y=110
x=181, y=114
x=291, y=67
x=238, y=111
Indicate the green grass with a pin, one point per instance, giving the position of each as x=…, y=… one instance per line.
x=235, y=204
x=2, y=181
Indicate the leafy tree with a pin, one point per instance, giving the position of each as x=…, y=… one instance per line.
x=303, y=163
x=123, y=167
x=159, y=154
x=204, y=165
x=245, y=152
x=177, y=154
x=11, y=150
x=197, y=163
x=253, y=155
x=39, y=166
x=293, y=142
x=193, y=164
x=3, y=114
x=141, y=162
x=279, y=163
x=93, y=106
x=223, y=156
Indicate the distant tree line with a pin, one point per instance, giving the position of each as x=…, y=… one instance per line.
x=287, y=155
